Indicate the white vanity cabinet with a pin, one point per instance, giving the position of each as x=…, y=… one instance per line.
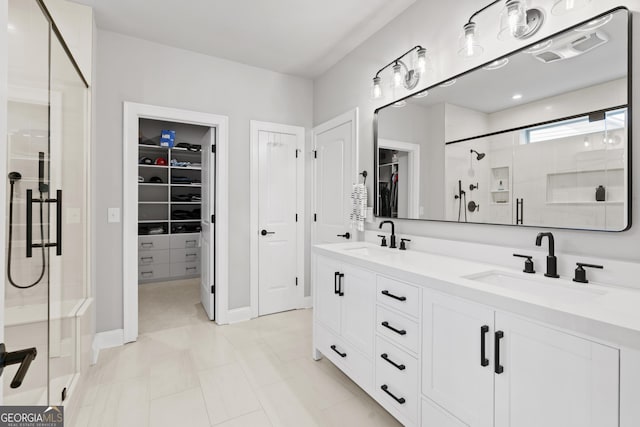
x=480, y=363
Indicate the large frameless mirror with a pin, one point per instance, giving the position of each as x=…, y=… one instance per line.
x=539, y=137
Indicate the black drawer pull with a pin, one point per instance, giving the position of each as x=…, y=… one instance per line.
x=498, y=368
x=483, y=334
x=335, y=282
x=191, y=268
x=399, y=367
x=333, y=347
x=190, y=255
x=397, y=331
x=146, y=273
x=390, y=295
x=146, y=244
x=400, y=400
x=340, y=290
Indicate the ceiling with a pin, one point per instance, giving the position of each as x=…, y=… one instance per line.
x=299, y=37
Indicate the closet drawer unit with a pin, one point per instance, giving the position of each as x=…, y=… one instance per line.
x=151, y=243
x=185, y=255
x=345, y=357
x=185, y=269
x=399, y=295
x=153, y=257
x=397, y=371
x=185, y=241
x=156, y=271
x=397, y=328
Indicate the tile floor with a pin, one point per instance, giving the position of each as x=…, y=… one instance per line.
x=187, y=371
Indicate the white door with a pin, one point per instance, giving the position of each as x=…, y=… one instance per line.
x=553, y=379
x=357, y=291
x=277, y=220
x=455, y=375
x=207, y=270
x=334, y=176
x=327, y=299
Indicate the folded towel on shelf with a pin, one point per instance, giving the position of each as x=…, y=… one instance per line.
x=358, y=206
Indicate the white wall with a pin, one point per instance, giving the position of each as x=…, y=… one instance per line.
x=437, y=26
x=131, y=69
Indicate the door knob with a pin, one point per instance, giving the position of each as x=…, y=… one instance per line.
x=23, y=357
x=265, y=232
x=346, y=235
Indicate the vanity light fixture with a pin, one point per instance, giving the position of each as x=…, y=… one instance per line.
x=402, y=75
x=561, y=7
x=516, y=21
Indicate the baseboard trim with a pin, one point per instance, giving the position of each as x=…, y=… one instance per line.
x=239, y=315
x=106, y=339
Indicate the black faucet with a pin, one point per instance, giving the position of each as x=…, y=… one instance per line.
x=393, y=233
x=552, y=261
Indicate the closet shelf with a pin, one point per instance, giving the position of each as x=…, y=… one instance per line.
x=187, y=185
x=153, y=184
x=152, y=221
x=185, y=220
x=193, y=168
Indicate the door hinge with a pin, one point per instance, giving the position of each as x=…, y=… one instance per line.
x=213, y=289
x=315, y=217
x=315, y=154
x=296, y=281
x=213, y=219
x=213, y=148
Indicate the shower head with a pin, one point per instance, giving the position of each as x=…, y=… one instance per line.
x=479, y=156
x=14, y=176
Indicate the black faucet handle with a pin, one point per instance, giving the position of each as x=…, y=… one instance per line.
x=384, y=239
x=581, y=274
x=528, y=264
x=403, y=246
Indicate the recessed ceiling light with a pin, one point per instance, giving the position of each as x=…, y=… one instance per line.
x=517, y=96
x=421, y=94
x=400, y=104
x=539, y=47
x=448, y=83
x=596, y=23
x=497, y=64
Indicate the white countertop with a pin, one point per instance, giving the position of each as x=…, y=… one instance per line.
x=608, y=313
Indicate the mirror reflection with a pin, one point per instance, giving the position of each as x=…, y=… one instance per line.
x=538, y=138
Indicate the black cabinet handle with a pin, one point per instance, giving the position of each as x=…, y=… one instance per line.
x=397, y=331
x=336, y=291
x=146, y=244
x=386, y=358
x=498, y=368
x=340, y=290
x=333, y=347
x=400, y=400
x=390, y=295
x=346, y=235
x=483, y=335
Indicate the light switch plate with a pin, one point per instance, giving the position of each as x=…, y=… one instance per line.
x=113, y=215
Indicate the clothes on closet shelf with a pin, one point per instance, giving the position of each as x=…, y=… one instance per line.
x=191, y=197
x=358, y=206
x=152, y=229
x=389, y=196
x=182, y=214
x=176, y=163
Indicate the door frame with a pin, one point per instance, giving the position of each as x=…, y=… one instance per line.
x=132, y=112
x=351, y=116
x=414, y=171
x=299, y=132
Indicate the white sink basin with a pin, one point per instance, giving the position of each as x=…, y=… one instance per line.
x=555, y=289
x=369, y=251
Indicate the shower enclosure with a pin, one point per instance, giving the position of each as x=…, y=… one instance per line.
x=46, y=286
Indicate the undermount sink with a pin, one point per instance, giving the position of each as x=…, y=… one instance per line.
x=551, y=288
x=369, y=251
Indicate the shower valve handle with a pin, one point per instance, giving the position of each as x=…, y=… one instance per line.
x=23, y=357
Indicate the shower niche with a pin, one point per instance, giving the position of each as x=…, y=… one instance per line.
x=498, y=145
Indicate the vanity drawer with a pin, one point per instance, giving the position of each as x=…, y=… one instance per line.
x=185, y=269
x=153, y=257
x=397, y=328
x=185, y=241
x=397, y=370
x=156, y=271
x=185, y=255
x=345, y=357
x=399, y=295
x=150, y=243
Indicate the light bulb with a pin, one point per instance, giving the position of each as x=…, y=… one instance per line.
x=376, y=89
x=514, y=19
x=397, y=75
x=422, y=61
x=469, y=46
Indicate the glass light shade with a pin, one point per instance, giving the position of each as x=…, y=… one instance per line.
x=421, y=65
x=513, y=20
x=376, y=88
x=561, y=7
x=397, y=76
x=469, y=45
